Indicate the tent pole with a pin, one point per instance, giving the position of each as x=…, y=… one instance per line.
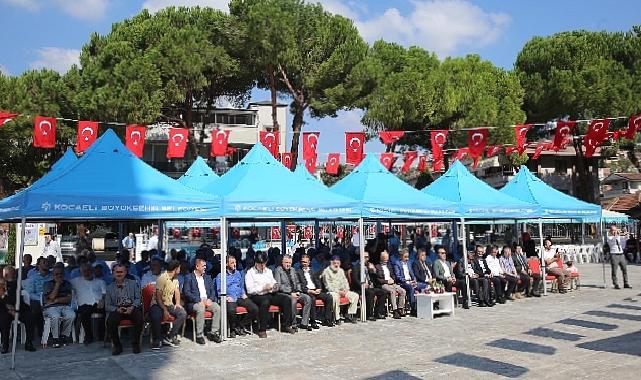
x=541, y=257
x=223, y=278
x=582, y=232
x=23, y=223
x=467, y=274
x=361, y=249
x=283, y=237
x=603, y=241
x=316, y=233
x=161, y=236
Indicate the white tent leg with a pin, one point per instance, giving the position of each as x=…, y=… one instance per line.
x=223, y=278
x=23, y=223
x=464, y=253
x=542, y=258
x=361, y=243
x=602, y=240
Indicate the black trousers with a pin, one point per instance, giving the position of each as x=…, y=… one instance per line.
x=511, y=284
x=525, y=282
x=113, y=320
x=236, y=320
x=499, y=286
x=25, y=317
x=481, y=288
x=375, y=301
x=264, y=301
x=327, y=308
x=84, y=313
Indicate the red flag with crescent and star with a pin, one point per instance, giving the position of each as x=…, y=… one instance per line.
x=387, y=159
x=286, y=160
x=177, y=142
x=310, y=164
x=6, y=117
x=44, y=132
x=476, y=141
x=438, y=139
x=408, y=158
x=422, y=163
x=310, y=142
x=492, y=150
x=563, y=131
x=354, y=144
x=270, y=141
x=333, y=161
x=219, y=143
x=390, y=137
x=520, y=131
x=135, y=138
x=634, y=124
x=597, y=133
x=87, y=133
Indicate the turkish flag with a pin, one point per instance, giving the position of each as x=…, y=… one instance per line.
x=310, y=142
x=6, y=117
x=44, y=132
x=438, y=139
x=219, y=142
x=135, y=138
x=539, y=149
x=291, y=230
x=461, y=153
x=333, y=161
x=422, y=163
x=308, y=232
x=492, y=150
x=177, y=142
x=340, y=232
x=286, y=160
x=390, y=137
x=563, y=130
x=520, y=131
x=87, y=134
x=634, y=124
x=511, y=149
x=437, y=164
x=476, y=141
x=310, y=164
x=387, y=159
x=270, y=141
x=275, y=233
x=354, y=144
x=597, y=133
x=408, y=158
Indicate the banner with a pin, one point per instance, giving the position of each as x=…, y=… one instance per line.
x=135, y=138
x=354, y=144
x=177, y=142
x=387, y=159
x=597, y=133
x=219, y=143
x=6, y=117
x=44, y=132
x=520, y=131
x=332, y=164
x=87, y=134
x=286, y=160
x=563, y=130
x=408, y=158
x=476, y=141
x=270, y=141
x=390, y=137
x=438, y=139
x=310, y=142
x=634, y=124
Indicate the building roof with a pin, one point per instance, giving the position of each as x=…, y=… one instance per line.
x=622, y=203
x=266, y=103
x=619, y=176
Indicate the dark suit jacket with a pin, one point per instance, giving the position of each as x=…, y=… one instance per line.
x=380, y=275
x=400, y=276
x=420, y=272
x=479, y=269
x=370, y=278
x=315, y=279
x=190, y=289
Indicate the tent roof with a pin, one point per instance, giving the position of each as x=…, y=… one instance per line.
x=476, y=198
x=109, y=182
x=198, y=175
x=384, y=195
x=261, y=187
x=304, y=174
x=528, y=188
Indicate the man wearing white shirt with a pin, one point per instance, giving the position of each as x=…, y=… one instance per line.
x=498, y=276
x=89, y=292
x=356, y=239
x=387, y=281
x=52, y=248
x=617, y=242
x=550, y=256
x=152, y=243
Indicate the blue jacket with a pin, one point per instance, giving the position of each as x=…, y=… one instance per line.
x=398, y=271
x=235, y=285
x=190, y=289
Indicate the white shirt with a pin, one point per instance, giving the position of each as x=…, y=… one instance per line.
x=406, y=271
x=255, y=281
x=88, y=292
x=613, y=240
x=53, y=249
x=148, y=278
x=356, y=239
x=152, y=243
x=446, y=269
x=308, y=279
x=201, y=287
x=549, y=254
x=494, y=265
x=386, y=272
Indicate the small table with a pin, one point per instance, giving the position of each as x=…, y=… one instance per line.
x=425, y=304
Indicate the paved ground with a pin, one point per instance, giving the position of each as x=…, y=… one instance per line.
x=591, y=333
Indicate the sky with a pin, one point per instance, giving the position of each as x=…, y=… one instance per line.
x=50, y=33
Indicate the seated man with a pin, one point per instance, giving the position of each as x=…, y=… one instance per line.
x=406, y=279
x=337, y=285
x=551, y=256
x=36, y=283
x=8, y=311
x=263, y=291
x=199, y=296
x=90, y=292
x=27, y=259
x=313, y=287
x=56, y=295
x=387, y=281
x=525, y=274
x=155, y=270
x=289, y=284
x=484, y=268
x=374, y=297
x=166, y=303
x=423, y=270
x=122, y=302
x=509, y=271
x=144, y=265
x=498, y=277
x=236, y=297
x=478, y=281
x=443, y=270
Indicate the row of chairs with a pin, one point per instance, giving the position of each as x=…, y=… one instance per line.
x=581, y=253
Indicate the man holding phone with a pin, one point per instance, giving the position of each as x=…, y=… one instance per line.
x=551, y=257
x=617, y=242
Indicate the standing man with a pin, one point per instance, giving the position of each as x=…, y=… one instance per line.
x=166, y=303
x=122, y=302
x=152, y=243
x=236, y=297
x=199, y=294
x=90, y=292
x=52, y=248
x=129, y=243
x=617, y=242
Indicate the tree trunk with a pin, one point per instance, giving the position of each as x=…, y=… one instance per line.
x=274, y=96
x=633, y=158
x=585, y=189
x=297, y=126
x=189, y=123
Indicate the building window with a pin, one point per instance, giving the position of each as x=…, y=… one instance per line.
x=560, y=166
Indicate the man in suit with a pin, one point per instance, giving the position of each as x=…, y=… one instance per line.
x=422, y=270
x=479, y=281
x=525, y=273
x=198, y=291
x=387, y=281
x=374, y=297
x=289, y=284
x=496, y=281
x=313, y=287
x=405, y=278
x=443, y=270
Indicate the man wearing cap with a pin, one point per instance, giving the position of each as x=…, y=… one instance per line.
x=263, y=291
x=337, y=285
x=387, y=281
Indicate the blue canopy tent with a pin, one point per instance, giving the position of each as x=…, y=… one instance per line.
x=198, y=175
x=302, y=172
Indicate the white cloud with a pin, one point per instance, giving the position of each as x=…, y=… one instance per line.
x=4, y=70
x=82, y=9
x=156, y=5
x=57, y=59
x=31, y=5
x=349, y=9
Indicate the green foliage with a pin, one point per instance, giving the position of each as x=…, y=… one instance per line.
x=11, y=245
x=622, y=165
x=424, y=180
x=329, y=179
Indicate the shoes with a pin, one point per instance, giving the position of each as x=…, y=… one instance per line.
x=88, y=341
x=511, y=298
x=627, y=286
x=397, y=315
x=381, y=316
x=200, y=340
x=167, y=342
x=616, y=286
x=315, y=326
x=215, y=337
x=371, y=318
x=232, y=333
x=306, y=327
x=240, y=331
x=136, y=348
x=116, y=350
x=328, y=324
x=5, y=350
x=536, y=294
x=501, y=300
x=29, y=347
x=338, y=322
x=155, y=346
x=465, y=305
x=64, y=340
x=176, y=341
x=56, y=343
x=262, y=334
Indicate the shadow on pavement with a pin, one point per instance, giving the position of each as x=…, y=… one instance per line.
x=627, y=307
x=622, y=344
x=394, y=375
x=483, y=364
x=588, y=324
x=521, y=346
x=608, y=314
x=549, y=333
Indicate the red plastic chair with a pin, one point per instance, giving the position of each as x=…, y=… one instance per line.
x=148, y=292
